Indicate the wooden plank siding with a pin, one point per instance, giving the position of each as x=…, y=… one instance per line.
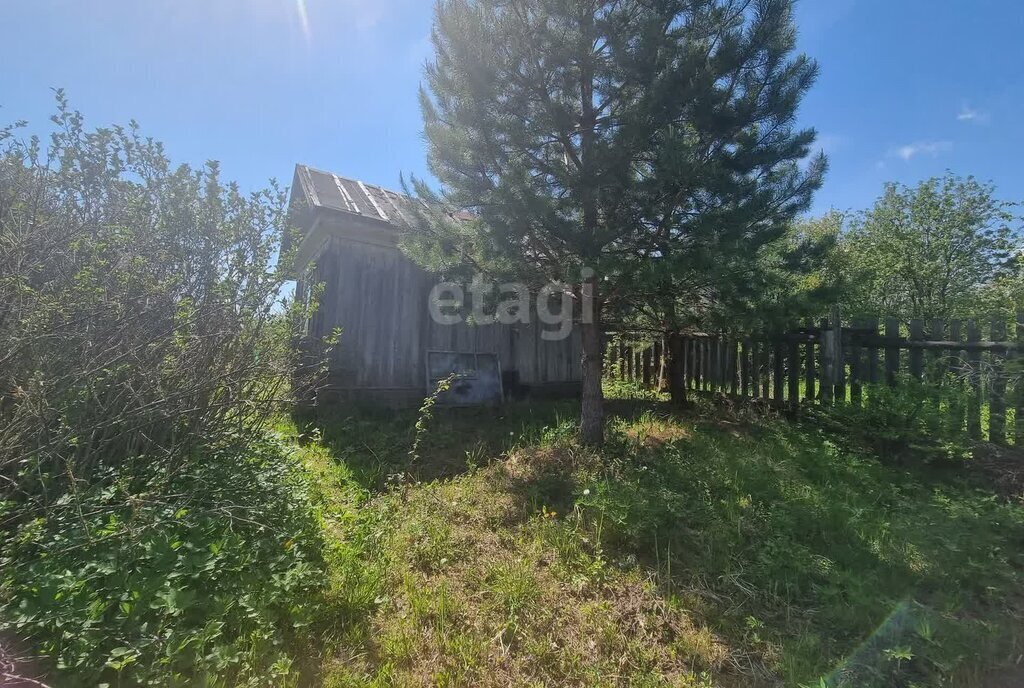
x=379, y=300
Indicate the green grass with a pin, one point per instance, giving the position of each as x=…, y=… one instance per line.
x=715, y=548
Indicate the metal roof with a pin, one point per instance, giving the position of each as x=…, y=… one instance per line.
x=328, y=190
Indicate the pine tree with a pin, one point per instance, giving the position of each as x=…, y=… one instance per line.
x=726, y=180
x=645, y=140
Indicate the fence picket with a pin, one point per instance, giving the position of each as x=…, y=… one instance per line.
x=997, y=397
x=705, y=363
x=974, y=373
x=809, y=372
x=916, y=355
x=1018, y=386
x=656, y=363
x=694, y=372
x=794, y=375
x=712, y=380
x=955, y=368
x=778, y=366
x=833, y=362
x=841, y=358
x=892, y=351
x=755, y=369
x=778, y=381
x=766, y=374
x=720, y=364
x=734, y=379
x=745, y=368
x=871, y=324
x=936, y=333
x=856, y=371
x=827, y=381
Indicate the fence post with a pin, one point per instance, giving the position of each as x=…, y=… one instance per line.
x=1018, y=386
x=837, y=323
x=766, y=373
x=734, y=368
x=710, y=349
x=997, y=399
x=892, y=351
x=794, y=373
x=832, y=359
x=719, y=364
x=778, y=379
x=698, y=368
x=856, y=368
x=809, y=372
x=825, y=382
x=656, y=362
x=872, y=324
x=691, y=359
x=712, y=364
x=956, y=369
x=648, y=360
x=934, y=366
x=916, y=355
x=755, y=369
x=745, y=367
x=723, y=364
x=974, y=371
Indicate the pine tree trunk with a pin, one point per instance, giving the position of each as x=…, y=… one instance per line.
x=592, y=411
x=676, y=369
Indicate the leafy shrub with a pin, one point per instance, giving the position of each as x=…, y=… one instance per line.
x=149, y=534
x=911, y=421
x=138, y=304
x=201, y=576
x=629, y=389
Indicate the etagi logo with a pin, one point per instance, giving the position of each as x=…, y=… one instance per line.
x=555, y=304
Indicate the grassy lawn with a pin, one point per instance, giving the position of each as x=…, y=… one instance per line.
x=713, y=548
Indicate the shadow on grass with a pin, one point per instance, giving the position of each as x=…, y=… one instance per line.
x=819, y=561
x=806, y=559
x=375, y=444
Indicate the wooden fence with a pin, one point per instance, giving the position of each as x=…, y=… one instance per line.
x=833, y=362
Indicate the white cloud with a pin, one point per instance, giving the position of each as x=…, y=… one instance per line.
x=911, y=150
x=969, y=114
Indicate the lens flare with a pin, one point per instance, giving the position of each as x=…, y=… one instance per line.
x=300, y=5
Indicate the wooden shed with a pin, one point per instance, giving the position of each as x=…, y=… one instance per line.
x=391, y=351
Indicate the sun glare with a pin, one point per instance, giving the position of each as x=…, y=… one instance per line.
x=300, y=5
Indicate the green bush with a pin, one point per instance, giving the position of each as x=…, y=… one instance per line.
x=204, y=576
x=140, y=307
x=150, y=533
x=911, y=421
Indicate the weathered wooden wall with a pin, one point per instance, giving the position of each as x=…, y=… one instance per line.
x=379, y=299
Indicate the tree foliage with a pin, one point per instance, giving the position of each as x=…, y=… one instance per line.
x=135, y=300
x=149, y=533
x=650, y=142
x=934, y=250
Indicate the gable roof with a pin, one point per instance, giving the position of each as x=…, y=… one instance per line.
x=351, y=196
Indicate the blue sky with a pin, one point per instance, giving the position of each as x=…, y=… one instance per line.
x=908, y=88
